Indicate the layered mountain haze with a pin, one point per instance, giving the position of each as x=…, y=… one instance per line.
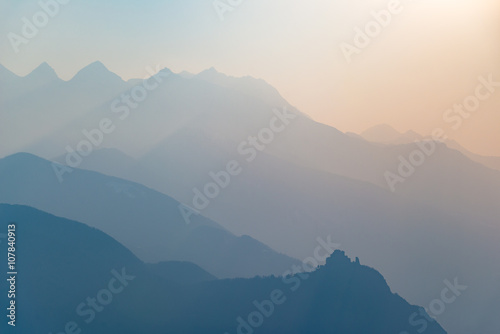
x=37, y=105
x=288, y=206
x=149, y=223
x=136, y=153
x=256, y=88
x=385, y=134
x=14, y=86
x=490, y=162
x=249, y=167
x=101, y=287
x=185, y=114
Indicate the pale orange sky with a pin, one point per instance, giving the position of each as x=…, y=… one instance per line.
x=427, y=59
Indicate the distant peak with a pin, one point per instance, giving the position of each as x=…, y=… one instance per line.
x=43, y=71
x=165, y=70
x=96, y=65
x=412, y=133
x=382, y=127
x=210, y=72
x=95, y=71
x=44, y=66
x=381, y=133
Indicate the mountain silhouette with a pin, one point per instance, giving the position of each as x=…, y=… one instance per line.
x=310, y=180
x=96, y=72
x=385, y=134
x=147, y=222
x=74, y=276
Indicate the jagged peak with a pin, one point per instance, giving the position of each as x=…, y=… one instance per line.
x=43, y=71
x=211, y=73
x=95, y=71
x=339, y=256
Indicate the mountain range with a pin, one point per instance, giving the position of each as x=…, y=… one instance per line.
x=147, y=222
x=73, y=277
x=440, y=221
x=385, y=134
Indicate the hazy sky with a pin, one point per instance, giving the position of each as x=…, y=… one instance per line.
x=427, y=59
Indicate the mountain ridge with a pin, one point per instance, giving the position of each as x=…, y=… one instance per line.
x=149, y=223
x=341, y=296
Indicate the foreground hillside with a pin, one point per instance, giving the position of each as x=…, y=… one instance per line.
x=75, y=277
